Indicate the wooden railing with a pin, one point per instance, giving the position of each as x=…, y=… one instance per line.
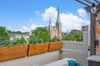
x=11, y=52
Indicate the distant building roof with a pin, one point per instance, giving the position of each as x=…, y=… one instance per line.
x=85, y=28
x=76, y=30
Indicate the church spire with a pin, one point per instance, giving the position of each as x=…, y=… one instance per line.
x=58, y=25
x=58, y=17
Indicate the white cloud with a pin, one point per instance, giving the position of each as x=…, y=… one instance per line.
x=81, y=12
x=9, y=28
x=50, y=12
x=84, y=16
x=28, y=28
x=37, y=12
x=24, y=29
x=69, y=21
x=34, y=26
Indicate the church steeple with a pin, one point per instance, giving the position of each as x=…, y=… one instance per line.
x=55, y=31
x=58, y=17
x=58, y=25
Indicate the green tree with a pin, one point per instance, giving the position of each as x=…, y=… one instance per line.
x=73, y=36
x=4, y=34
x=22, y=40
x=41, y=33
x=16, y=32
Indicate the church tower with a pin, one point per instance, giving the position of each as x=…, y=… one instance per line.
x=58, y=26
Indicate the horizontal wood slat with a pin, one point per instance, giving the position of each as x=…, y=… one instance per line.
x=11, y=52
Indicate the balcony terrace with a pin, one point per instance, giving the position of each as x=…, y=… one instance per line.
x=71, y=49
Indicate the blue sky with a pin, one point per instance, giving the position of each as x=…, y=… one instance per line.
x=27, y=14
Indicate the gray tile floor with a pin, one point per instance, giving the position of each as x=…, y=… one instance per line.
x=36, y=60
x=45, y=58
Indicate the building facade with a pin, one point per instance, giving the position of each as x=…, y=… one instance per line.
x=85, y=28
x=14, y=36
x=55, y=31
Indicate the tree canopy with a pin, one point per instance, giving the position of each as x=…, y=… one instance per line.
x=73, y=36
x=41, y=33
x=16, y=32
x=20, y=41
x=4, y=34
